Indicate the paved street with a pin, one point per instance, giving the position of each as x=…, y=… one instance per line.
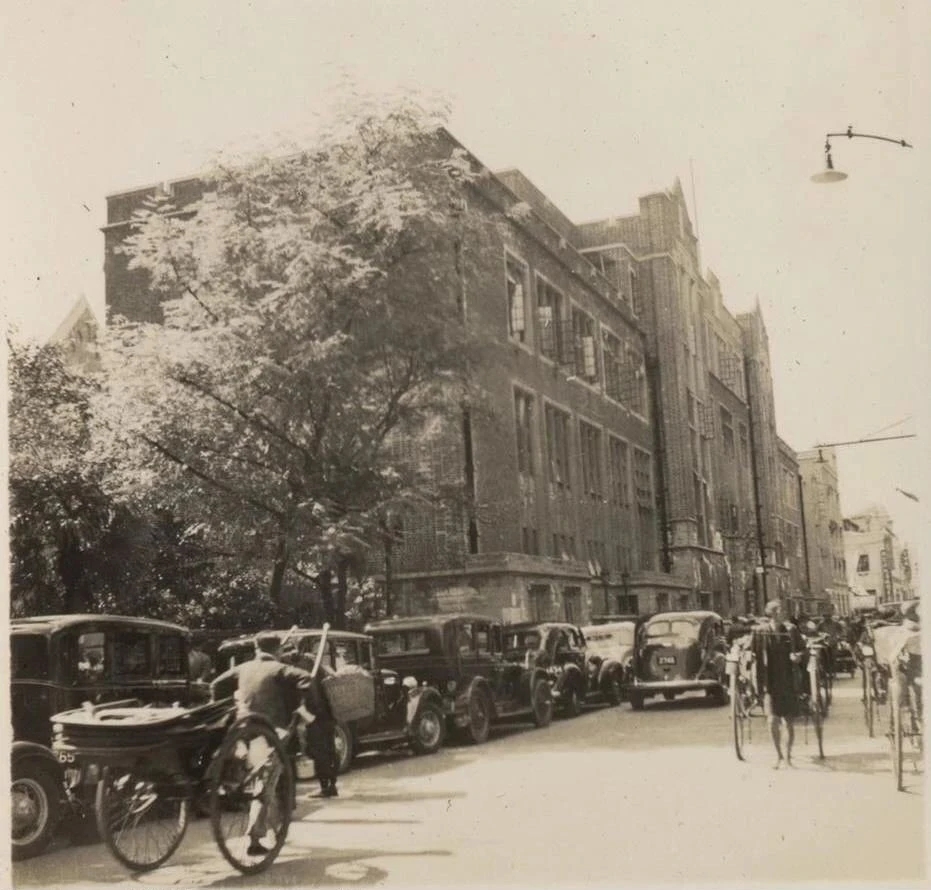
x=610, y=797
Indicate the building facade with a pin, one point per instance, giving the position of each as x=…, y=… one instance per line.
x=878, y=565
x=625, y=458
x=824, y=533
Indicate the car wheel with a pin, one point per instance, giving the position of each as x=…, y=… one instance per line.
x=428, y=731
x=542, y=703
x=615, y=690
x=636, y=701
x=573, y=705
x=35, y=799
x=343, y=743
x=479, y=718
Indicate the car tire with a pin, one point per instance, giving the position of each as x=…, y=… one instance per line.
x=573, y=705
x=615, y=689
x=476, y=732
x=344, y=747
x=35, y=792
x=429, y=730
x=541, y=701
x=636, y=701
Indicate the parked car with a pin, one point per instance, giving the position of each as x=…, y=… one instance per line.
x=462, y=656
x=678, y=652
x=58, y=662
x=609, y=644
x=402, y=712
x=561, y=650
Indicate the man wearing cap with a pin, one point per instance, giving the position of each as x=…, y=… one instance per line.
x=777, y=648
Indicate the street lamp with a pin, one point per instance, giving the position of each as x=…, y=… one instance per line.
x=829, y=174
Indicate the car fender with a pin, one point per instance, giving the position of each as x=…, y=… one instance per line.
x=419, y=697
x=476, y=684
x=608, y=667
x=23, y=751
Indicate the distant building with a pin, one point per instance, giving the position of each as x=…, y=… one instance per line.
x=877, y=563
x=78, y=336
x=824, y=532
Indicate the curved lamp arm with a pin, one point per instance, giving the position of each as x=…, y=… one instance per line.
x=829, y=174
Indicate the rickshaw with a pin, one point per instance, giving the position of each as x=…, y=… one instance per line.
x=898, y=655
x=747, y=700
x=157, y=762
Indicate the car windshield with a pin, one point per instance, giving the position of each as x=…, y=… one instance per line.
x=29, y=657
x=402, y=642
x=522, y=640
x=673, y=628
x=603, y=641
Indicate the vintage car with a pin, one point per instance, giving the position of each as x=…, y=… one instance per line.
x=561, y=650
x=57, y=663
x=612, y=643
x=678, y=652
x=402, y=711
x=462, y=656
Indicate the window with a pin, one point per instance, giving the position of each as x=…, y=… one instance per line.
x=482, y=638
x=529, y=540
x=550, y=316
x=662, y=602
x=516, y=280
x=744, y=446
x=727, y=432
x=539, y=598
x=634, y=393
x=171, y=661
x=636, y=300
x=523, y=414
x=590, y=441
x=628, y=604
x=613, y=366
x=863, y=563
x=28, y=657
x=131, y=655
x=557, y=445
x=643, y=488
x=583, y=338
x=92, y=659
x=620, y=487
x=572, y=604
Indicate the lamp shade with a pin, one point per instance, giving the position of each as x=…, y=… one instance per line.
x=829, y=175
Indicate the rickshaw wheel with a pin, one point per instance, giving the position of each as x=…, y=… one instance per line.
x=142, y=816
x=869, y=706
x=740, y=718
x=816, y=707
x=895, y=733
x=251, y=773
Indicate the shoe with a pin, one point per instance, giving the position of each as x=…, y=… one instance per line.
x=331, y=791
x=256, y=849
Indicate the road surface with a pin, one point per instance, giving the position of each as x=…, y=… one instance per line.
x=611, y=797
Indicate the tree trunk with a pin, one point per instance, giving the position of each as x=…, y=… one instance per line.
x=281, y=565
x=325, y=583
x=342, y=570
x=73, y=575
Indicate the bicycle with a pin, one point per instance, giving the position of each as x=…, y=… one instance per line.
x=747, y=701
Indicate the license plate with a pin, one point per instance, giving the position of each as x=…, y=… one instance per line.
x=666, y=659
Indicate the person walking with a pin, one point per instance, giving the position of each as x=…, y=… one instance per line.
x=778, y=648
x=274, y=690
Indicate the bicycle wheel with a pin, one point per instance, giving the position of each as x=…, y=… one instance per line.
x=869, y=704
x=142, y=816
x=251, y=795
x=895, y=732
x=816, y=707
x=740, y=718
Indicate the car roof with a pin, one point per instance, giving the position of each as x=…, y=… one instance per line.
x=50, y=624
x=416, y=622
x=534, y=625
x=694, y=614
x=300, y=633
x=614, y=625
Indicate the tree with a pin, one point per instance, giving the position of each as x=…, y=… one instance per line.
x=312, y=310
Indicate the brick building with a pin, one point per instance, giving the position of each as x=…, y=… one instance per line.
x=824, y=532
x=625, y=458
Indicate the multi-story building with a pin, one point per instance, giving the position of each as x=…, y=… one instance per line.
x=824, y=533
x=625, y=458
x=878, y=565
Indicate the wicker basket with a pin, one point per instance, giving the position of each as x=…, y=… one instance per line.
x=351, y=696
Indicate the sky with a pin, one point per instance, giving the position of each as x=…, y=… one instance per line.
x=597, y=103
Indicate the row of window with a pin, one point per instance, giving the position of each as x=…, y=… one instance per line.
x=629, y=468
x=568, y=336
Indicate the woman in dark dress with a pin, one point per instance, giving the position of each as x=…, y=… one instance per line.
x=778, y=648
